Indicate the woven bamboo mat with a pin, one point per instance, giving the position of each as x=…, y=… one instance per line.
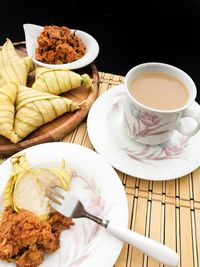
x=167, y=211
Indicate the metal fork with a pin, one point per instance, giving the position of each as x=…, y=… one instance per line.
x=68, y=205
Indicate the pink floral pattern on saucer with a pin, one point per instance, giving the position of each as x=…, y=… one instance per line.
x=165, y=151
x=146, y=124
x=168, y=161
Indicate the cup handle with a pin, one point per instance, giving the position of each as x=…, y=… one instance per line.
x=191, y=114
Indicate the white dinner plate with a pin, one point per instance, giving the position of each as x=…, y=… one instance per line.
x=98, y=186
x=176, y=158
x=92, y=47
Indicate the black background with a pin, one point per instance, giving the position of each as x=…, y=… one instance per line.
x=128, y=32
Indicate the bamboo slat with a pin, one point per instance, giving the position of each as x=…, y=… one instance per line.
x=167, y=211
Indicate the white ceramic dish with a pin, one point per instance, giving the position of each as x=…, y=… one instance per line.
x=174, y=159
x=98, y=186
x=92, y=48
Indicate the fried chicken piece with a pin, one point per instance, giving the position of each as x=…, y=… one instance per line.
x=58, y=45
x=17, y=230
x=30, y=258
x=59, y=222
x=7, y=251
x=44, y=42
x=47, y=240
x=49, y=236
x=27, y=229
x=8, y=247
x=49, y=56
x=24, y=238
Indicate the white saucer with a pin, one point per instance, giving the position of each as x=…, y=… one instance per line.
x=178, y=157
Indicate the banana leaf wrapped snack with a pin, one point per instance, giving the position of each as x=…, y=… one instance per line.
x=27, y=188
x=13, y=68
x=8, y=94
x=58, y=81
x=24, y=109
x=2, y=81
x=35, y=108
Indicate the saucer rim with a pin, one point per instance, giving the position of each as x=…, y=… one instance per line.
x=97, y=142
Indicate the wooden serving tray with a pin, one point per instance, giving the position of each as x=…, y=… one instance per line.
x=63, y=125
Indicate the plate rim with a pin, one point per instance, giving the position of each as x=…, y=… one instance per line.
x=69, y=146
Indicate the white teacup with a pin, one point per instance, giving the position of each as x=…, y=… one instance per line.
x=152, y=126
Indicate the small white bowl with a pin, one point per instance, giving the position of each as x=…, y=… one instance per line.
x=92, y=48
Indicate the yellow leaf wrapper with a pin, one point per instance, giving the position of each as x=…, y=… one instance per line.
x=8, y=54
x=20, y=167
x=58, y=81
x=12, y=67
x=2, y=81
x=35, y=108
x=27, y=187
x=8, y=95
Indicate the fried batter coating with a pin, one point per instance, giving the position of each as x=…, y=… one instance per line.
x=58, y=45
x=17, y=231
x=30, y=258
x=24, y=238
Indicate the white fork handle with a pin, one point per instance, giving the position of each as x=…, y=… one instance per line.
x=156, y=250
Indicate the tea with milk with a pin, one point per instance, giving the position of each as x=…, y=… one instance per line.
x=159, y=90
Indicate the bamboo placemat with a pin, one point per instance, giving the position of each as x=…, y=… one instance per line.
x=167, y=211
